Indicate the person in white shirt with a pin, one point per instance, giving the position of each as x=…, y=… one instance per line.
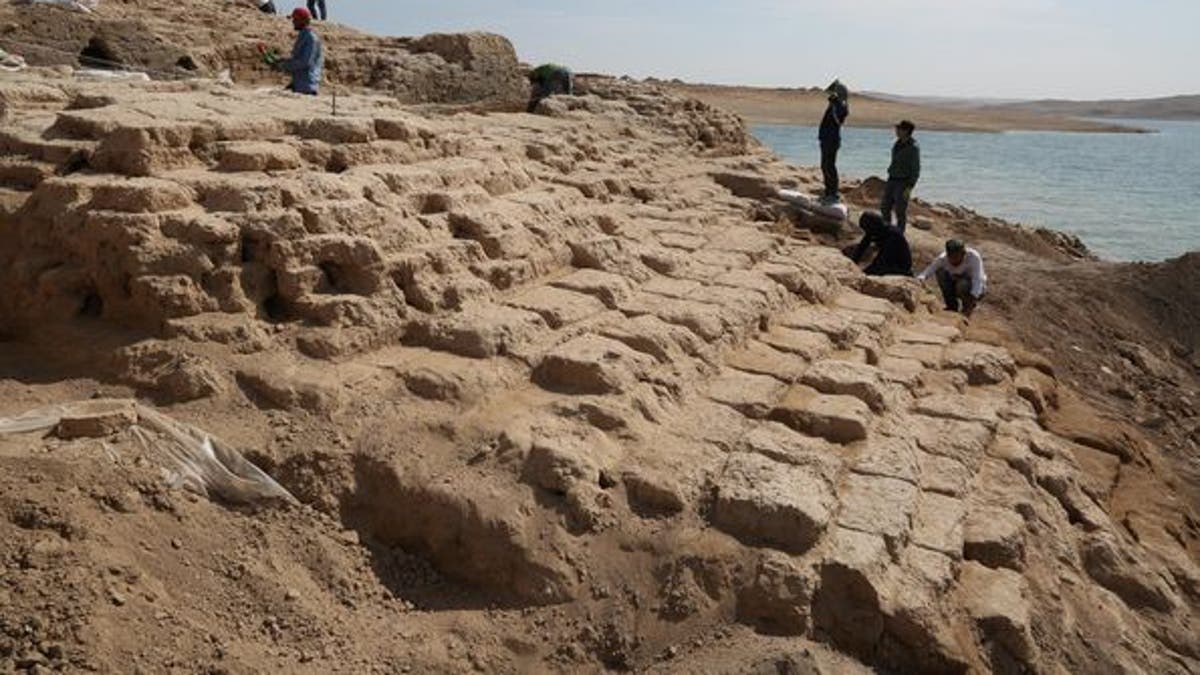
x=960, y=275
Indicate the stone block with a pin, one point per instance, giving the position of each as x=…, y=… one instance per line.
x=840, y=419
x=98, y=420
x=762, y=502
x=480, y=332
x=995, y=537
x=846, y=378
x=983, y=364
x=998, y=603
x=807, y=344
x=609, y=288
x=556, y=306
x=938, y=525
x=752, y=395
x=761, y=359
x=591, y=364
x=881, y=506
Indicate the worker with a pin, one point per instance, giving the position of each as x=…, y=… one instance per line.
x=308, y=56
x=547, y=80
x=894, y=257
x=960, y=275
x=903, y=174
x=830, y=138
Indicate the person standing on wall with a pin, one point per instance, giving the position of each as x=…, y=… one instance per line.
x=307, y=61
x=830, y=137
x=903, y=174
x=317, y=9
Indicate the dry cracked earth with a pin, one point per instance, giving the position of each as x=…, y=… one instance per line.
x=557, y=392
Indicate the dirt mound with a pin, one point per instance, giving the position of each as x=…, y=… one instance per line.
x=558, y=392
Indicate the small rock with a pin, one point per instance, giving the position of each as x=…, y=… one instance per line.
x=176, y=544
x=292, y=594
x=116, y=598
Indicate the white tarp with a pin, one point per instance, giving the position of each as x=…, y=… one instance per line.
x=77, y=5
x=11, y=63
x=190, y=458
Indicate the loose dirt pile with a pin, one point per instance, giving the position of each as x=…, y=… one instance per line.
x=556, y=392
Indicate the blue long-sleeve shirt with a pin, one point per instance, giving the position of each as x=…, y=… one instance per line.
x=306, y=63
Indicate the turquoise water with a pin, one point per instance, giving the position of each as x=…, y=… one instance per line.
x=1128, y=196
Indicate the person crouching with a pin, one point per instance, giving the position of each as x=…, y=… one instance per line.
x=548, y=80
x=960, y=275
x=894, y=257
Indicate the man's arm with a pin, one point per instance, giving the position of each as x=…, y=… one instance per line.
x=861, y=249
x=934, y=266
x=976, y=267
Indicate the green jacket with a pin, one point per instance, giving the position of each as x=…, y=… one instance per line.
x=546, y=73
x=906, y=162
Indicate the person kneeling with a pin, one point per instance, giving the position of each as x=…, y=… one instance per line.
x=960, y=275
x=894, y=257
x=548, y=80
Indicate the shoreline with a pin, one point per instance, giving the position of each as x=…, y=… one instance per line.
x=805, y=106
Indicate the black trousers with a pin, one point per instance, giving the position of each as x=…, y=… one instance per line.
x=829, y=153
x=956, y=292
x=317, y=9
x=268, y=8
x=895, y=196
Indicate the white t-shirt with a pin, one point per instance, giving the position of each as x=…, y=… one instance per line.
x=971, y=265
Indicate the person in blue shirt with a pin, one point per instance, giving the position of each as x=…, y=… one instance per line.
x=830, y=137
x=308, y=56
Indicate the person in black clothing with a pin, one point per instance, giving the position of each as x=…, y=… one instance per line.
x=903, y=174
x=317, y=9
x=830, y=136
x=894, y=257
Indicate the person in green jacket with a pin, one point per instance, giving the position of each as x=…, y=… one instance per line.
x=547, y=80
x=903, y=174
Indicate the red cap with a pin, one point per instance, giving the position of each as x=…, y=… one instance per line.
x=301, y=14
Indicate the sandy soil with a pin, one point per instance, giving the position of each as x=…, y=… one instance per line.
x=801, y=106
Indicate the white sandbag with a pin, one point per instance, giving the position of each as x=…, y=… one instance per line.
x=100, y=74
x=837, y=211
x=190, y=458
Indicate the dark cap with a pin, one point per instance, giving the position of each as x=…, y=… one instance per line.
x=955, y=246
x=906, y=125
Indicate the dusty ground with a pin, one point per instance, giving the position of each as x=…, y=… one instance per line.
x=805, y=106
x=561, y=392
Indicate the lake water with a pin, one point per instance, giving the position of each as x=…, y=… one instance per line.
x=1128, y=196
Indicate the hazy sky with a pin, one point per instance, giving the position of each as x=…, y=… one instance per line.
x=998, y=48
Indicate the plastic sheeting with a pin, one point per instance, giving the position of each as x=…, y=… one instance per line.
x=11, y=63
x=77, y=5
x=190, y=458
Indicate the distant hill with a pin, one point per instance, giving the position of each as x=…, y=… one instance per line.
x=1168, y=108
x=805, y=106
